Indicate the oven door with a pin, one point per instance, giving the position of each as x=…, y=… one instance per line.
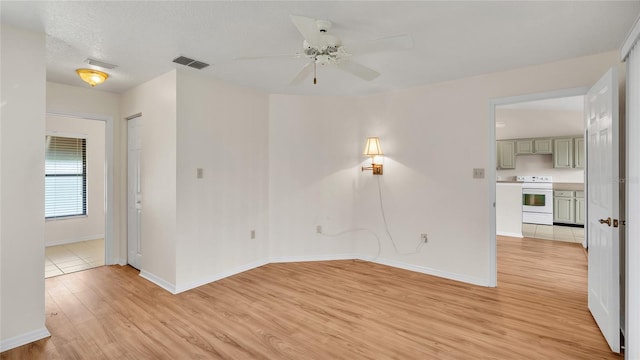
x=537, y=200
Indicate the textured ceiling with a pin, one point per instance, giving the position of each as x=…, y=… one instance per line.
x=452, y=39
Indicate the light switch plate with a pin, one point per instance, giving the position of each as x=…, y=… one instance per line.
x=478, y=173
x=199, y=173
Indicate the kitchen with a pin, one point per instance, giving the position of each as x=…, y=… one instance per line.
x=540, y=169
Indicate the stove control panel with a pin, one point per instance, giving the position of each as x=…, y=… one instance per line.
x=544, y=178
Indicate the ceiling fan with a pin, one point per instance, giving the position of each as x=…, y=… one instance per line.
x=322, y=48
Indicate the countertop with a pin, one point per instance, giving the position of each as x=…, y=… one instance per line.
x=568, y=186
x=556, y=186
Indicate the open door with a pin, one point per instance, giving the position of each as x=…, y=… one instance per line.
x=603, y=233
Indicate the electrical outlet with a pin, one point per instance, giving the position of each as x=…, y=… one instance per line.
x=478, y=173
x=253, y=234
x=318, y=229
x=423, y=237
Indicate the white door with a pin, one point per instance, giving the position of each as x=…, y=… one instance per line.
x=134, y=193
x=601, y=116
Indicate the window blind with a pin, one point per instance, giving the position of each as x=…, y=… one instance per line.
x=65, y=177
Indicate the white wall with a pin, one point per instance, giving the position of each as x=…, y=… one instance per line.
x=90, y=227
x=92, y=103
x=221, y=129
x=22, y=128
x=432, y=136
x=156, y=100
x=529, y=123
x=313, y=174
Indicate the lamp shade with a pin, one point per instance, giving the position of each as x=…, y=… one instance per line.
x=92, y=77
x=373, y=147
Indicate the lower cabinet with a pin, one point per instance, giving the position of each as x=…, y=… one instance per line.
x=568, y=207
x=580, y=208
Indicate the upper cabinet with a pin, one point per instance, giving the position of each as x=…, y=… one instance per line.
x=567, y=152
x=524, y=147
x=542, y=146
x=563, y=153
x=506, y=155
x=533, y=146
x=578, y=153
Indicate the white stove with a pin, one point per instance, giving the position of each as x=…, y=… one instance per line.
x=537, y=199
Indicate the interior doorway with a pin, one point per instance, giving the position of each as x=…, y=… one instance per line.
x=75, y=181
x=540, y=145
x=601, y=102
x=98, y=250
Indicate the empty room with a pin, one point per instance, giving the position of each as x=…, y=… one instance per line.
x=268, y=180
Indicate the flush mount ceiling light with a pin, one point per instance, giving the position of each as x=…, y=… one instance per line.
x=92, y=77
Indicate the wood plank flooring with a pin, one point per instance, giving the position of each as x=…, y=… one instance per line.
x=330, y=310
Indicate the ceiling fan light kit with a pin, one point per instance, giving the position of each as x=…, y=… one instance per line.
x=325, y=49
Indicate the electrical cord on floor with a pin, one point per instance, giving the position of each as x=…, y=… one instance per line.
x=386, y=226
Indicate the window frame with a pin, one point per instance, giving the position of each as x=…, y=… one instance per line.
x=84, y=175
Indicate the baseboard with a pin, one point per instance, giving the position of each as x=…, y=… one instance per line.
x=510, y=234
x=304, y=258
x=74, y=240
x=430, y=271
x=31, y=336
x=176, y=289
x=158, y=281
x=220, y=276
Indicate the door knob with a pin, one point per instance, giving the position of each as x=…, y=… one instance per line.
x=603, y=221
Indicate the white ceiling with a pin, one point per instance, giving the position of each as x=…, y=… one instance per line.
x=452, y=39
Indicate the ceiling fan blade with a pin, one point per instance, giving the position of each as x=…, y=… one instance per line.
x=303, y=74
x=308, y=27
x=391, y=43
x=291, y=56
x=358, y=70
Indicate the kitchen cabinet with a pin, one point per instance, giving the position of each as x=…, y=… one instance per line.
x=580, y=208
x=506, y=154
x=533, y=146
x=578, y=153
x=564, y=209
x=563, y=153
x=567, y=152
x=542, y=146
x=568, y=207
x=524, y=147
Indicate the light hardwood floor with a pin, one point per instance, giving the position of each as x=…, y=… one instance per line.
x=330, y=310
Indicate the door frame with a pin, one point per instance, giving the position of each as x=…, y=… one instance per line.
x=491, y=178
x=109, y=194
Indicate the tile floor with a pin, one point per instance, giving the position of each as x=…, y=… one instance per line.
x=548, y=232
x=68, y=258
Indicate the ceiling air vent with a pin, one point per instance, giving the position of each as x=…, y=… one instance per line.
x=99, y=63
x=183, y=60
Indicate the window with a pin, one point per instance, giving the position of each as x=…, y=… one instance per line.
x=65, y=177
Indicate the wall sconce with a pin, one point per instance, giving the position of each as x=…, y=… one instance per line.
x=373, y=149
x=92, y=77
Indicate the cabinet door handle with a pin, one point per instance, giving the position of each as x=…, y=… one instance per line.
x=603, y=221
